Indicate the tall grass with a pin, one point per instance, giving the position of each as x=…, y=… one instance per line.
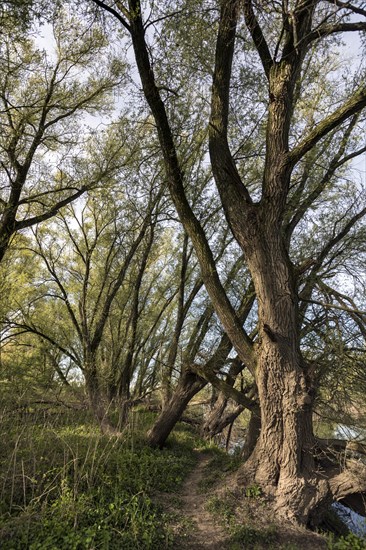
x=64, y=485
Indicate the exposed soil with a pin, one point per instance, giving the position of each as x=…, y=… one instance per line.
x=208, y=533
x=195, y=527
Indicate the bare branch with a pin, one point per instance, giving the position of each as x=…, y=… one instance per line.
x=327, y=30
x=348, y=6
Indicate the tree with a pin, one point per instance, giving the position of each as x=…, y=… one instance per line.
x=22, y=13
x=86, y=255
x=44, y=97
x=283, y=38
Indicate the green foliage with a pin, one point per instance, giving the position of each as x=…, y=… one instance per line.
x=249, y=537
x=64, y=485
x=348, y=542
x=223, y=508
x=253, y=491
x=218, y=467
x=242, y=535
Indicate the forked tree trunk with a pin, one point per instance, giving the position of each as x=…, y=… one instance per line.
x=219, y=418
x=210, y=427
x=282, y=460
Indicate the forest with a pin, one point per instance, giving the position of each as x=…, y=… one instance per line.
x=183, y=274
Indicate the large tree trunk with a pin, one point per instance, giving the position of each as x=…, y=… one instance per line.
x=189, y=385
x=282, y=461
x=94, y=394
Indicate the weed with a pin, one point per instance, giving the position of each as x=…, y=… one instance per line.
x=348, y=542
x=245, y=536
x=241, y=536
x=64, y=485
x=223, y=508
x=253, y=491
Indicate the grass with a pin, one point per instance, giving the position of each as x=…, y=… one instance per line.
x=241, y=535
x=347, y=542
x=219, y=466
x=64, y=485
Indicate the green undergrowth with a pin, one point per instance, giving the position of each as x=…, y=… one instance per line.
x=220, y=465
x=346, y=542
x=242, y=535
x=65, y=486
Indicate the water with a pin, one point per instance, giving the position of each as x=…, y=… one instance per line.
x=355, y=522
x=349, y=432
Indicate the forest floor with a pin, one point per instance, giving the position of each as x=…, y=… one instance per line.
x=65, y=485
x=195, y=526
x=209, y=512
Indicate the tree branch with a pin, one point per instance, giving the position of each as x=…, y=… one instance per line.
x=113, y=12
x=257, y=36
x=347, y=6
x=40, y=334
x=175, y=183
x=351, y=107
x=228, y=390
x=234, y=195
x=327, y=30
x=50, y=213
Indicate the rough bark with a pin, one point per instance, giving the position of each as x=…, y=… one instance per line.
x=189, y=384
x=252, y=435
x=216, y=420
x=282, y=460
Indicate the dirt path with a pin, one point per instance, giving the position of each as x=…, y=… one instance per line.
x=198, y=528
x=195, y=528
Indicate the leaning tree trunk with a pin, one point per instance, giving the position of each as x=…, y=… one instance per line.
x=252, y=433
x=219, y=418
x=211, y=425
x=217, y=422
x=188, y=386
